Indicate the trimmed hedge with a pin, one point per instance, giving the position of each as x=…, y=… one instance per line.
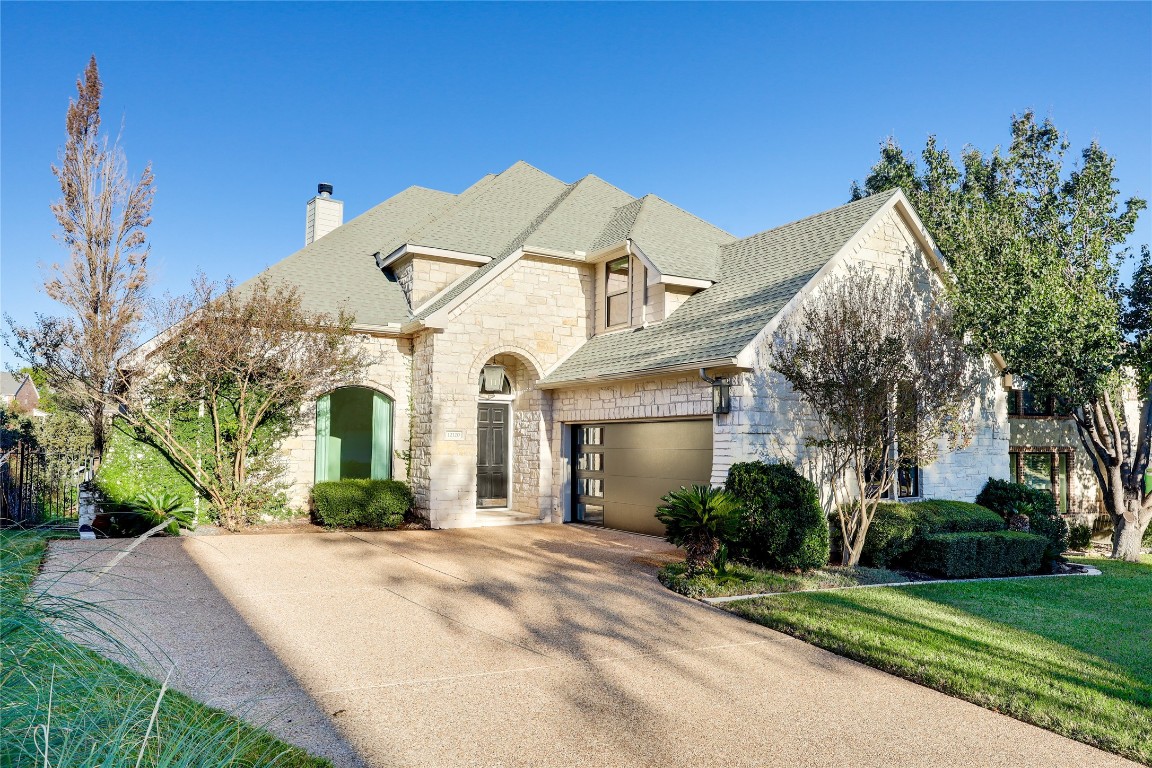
x=1040, y=506
x=978, y=555
x=897, y=529
x=782, y=525
x=368, y=503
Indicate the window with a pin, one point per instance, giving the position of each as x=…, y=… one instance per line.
x=353, y=435
x=906, y=479
x=1046, y=469
x=907, y=472
x=616, y=292
x=1023, y=403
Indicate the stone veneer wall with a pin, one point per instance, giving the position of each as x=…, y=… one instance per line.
x=390, y=373
x=532, y=316
x=422, y=277
x=768, y=420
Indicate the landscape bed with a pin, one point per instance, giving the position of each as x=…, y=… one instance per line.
x=1067, y=654
x=742, y=579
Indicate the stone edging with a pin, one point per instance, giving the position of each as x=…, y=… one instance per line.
x=716, y=600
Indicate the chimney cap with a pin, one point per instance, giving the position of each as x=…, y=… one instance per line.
x=324, y=190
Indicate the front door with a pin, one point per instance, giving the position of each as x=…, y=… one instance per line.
x=492, y=455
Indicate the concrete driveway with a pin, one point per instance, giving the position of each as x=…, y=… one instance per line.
x=523, y=646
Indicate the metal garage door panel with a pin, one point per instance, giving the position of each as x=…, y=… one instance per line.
x=642, y=461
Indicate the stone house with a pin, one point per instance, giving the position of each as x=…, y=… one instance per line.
x=549, y=352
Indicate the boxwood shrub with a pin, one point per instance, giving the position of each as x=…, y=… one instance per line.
x=898, y=528
x=368, y=503
x=976, y=555
x=782, y=525
x=1044, y=518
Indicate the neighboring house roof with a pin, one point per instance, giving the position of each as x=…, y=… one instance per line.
x=10, y=383
x=758, y=276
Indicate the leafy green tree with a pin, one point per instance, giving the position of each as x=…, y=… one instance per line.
x=1037, y=251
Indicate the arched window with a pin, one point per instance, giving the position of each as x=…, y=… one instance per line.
x=353, y=435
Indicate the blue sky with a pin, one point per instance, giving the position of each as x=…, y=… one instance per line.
x=748, y=115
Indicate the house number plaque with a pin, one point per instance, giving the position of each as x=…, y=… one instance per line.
x=453, y=434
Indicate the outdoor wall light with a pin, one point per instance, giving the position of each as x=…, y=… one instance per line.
x=721, y=395
x=492, y=379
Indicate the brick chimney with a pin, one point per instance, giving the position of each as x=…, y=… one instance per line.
x=324, y=214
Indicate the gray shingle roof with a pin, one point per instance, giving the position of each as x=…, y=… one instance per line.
x=758, y=276
x=492, y=216
x=339, y=269
x=677, y=242
x=10, y=383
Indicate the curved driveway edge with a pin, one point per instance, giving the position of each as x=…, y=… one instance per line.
x=537, y=645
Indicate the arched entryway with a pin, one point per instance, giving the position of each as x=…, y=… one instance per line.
x=509, y=434
x=353, y=435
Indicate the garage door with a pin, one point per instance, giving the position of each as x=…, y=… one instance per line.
x=622, y=469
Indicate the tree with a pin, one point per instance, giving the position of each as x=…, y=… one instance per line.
x=231, y=375
x=887, y=380
x=1037, y=254
x=103, y=216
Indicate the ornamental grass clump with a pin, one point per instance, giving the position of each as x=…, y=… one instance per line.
x=700, y=519
x=65, y=705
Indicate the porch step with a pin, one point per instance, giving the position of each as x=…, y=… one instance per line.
x=486, y=518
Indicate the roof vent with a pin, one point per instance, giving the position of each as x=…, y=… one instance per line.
x=324, y=190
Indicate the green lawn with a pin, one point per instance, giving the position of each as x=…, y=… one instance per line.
x=1073, y=655
x=96, y=712
x=745, y=580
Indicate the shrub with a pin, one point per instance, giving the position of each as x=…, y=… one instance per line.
x=1017, y=498
x=370, y=503
x=1080, y=537
x=897, y=529
x=158, y=507
x=984, y=554
x=782, y=525
x=130, y=468
x=699, y=519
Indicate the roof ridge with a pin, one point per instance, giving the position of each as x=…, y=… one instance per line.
x=851, y=203
x=535, y=224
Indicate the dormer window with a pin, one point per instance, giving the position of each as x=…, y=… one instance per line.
x=616, y=293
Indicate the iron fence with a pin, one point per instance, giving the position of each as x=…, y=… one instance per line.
x=41, y=489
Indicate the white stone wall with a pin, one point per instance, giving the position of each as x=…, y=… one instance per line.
x=768, y=421
x=529, y=318
x=390, y=373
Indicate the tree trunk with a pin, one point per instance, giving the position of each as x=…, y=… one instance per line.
x=701, y=549
x=1126, y=538
x=99, y=439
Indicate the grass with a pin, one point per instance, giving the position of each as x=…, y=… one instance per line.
x=64, y=705
x=1072, y=655
x=745, y=580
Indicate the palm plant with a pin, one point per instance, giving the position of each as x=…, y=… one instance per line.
x=699, y=519
x=158, y=507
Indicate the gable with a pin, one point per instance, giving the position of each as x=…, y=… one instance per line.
x=759, y=276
